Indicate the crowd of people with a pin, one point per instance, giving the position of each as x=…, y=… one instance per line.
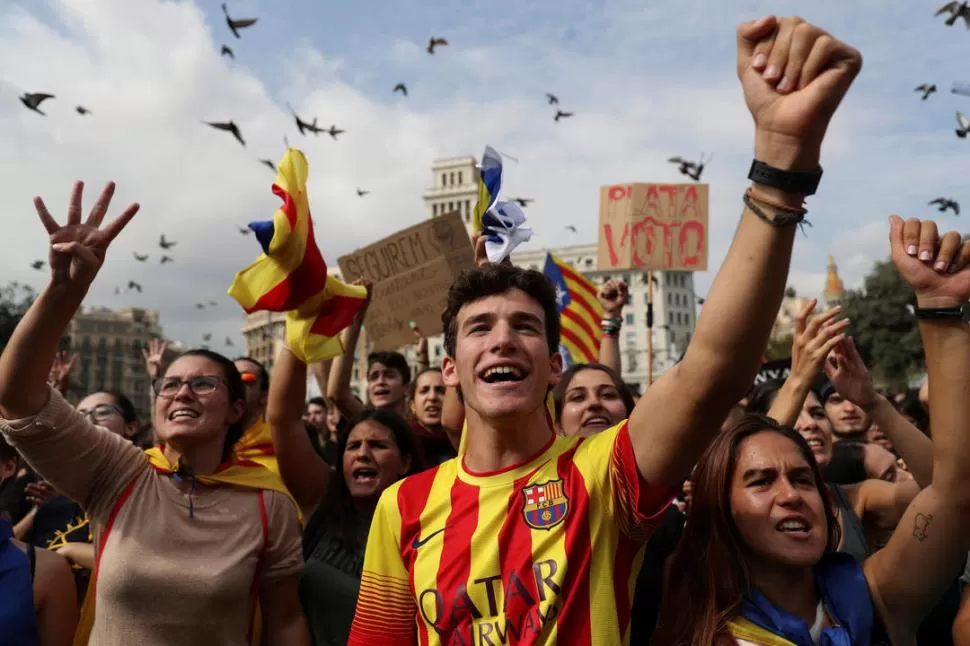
x=502, y=497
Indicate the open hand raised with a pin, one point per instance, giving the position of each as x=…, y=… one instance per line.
x=78, y=250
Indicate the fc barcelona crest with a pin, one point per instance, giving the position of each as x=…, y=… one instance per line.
x=545, y=504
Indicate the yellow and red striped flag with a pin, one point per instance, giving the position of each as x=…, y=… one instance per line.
x=291, y=274
x=580, y=312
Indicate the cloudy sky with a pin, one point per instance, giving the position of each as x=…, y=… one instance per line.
x=646, y=80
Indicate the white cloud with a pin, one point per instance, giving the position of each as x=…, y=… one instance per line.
x=151, y=72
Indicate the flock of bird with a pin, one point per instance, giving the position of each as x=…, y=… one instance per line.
x=693, y=169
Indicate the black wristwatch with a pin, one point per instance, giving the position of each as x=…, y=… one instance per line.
x=786, y=180
x=961, y=313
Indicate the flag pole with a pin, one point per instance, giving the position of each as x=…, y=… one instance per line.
x=649, y=328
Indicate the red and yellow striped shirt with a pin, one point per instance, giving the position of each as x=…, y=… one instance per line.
x=542, y=553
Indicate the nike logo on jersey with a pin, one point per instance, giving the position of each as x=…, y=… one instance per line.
x=419, y=542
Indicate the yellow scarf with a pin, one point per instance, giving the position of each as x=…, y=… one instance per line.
x=237, y=472
x=256, y=445
x=741, y=628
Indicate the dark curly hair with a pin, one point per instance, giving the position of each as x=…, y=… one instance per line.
x=491, y=280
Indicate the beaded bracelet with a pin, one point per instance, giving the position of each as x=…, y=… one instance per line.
x=783, y=219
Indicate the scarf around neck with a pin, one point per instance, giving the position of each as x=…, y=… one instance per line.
x=845, y=596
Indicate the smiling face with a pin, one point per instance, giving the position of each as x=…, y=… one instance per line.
x=814, y=426
x=372, y=461
x=591, y=404
x=197, y=411
x=429, y=395
x=848, y=420
x=385, y=386
x=776, y=504
x=502, y=361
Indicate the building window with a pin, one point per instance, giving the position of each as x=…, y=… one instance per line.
x=589, y=263
x=437, y=351
x=631, y=338
x=451, y=207
x=443, y=177
x=669, y=298
x=451, y=178
x=670, y=318
x=468, y=208
x=434, y=209
x=629, y=319
x=459, y=178
x=631, y=362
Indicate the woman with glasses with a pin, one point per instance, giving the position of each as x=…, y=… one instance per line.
x=189, y=544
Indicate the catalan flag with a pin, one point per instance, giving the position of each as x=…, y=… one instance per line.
x=580, y=312
x=291, y=274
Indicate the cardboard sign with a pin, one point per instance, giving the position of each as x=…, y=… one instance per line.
x=777, y=369
x=412, y=271
x=653, y=226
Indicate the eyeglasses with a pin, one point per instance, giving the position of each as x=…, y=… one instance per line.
x=100, y=412
x=169, y=386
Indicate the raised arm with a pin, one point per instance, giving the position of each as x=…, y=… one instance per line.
x=612, y=295
x=338, y=388
x=812, y=342
x=929, y=548
x=304, y=472
x=794, y=76
x=80, y=460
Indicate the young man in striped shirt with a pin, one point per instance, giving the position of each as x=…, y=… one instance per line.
x=527, y=538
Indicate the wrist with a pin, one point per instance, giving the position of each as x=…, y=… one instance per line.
x=937, y=302
x=786, y=153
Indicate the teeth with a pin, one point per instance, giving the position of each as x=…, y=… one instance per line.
x=793, y=525
x=503, y=370
x=183, y=413
x=814, y=442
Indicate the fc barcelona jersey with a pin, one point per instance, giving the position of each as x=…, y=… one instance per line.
x=542, y=553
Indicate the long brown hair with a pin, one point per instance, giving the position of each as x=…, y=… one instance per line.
x=707, y=576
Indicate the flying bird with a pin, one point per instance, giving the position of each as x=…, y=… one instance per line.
x=435, y=42
x=132, y=285
x=552, y=98
x=229, y=341
x=927, y=89
x=523, y=201
x=165, y=244
x=228, y=127
x=945, y=203
x=235, y=25
x=140, y=258
x=227, y=51
x=206, y=337
x=689, y=168
x=361, y=193
x=562, y=115
x=302, y=125
x=166, y=259
x=199, y=306
x=964, y=128
x=334, y=131
x=33, y=100
x=956, y=10
x=402, y=88
x=37, y=264
x=570, y=227
x=213, y=303
x=243, y=231
x=268, y=162
x=81, y=110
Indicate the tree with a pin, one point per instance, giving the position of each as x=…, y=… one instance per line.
x=779, y=348
x=884, y=326
x=14, y=301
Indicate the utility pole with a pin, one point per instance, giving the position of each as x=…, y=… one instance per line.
x=649, y=328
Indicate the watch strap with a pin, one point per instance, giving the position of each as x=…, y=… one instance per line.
x=954, y=313
x=786, y=180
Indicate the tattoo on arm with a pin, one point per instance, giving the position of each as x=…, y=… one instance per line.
x=921, y=522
